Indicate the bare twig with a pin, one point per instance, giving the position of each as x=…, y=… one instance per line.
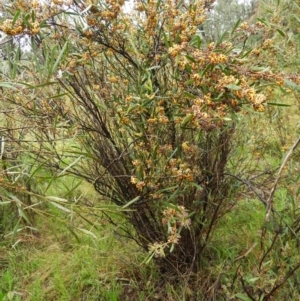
x=246, y=183
x=269, y=201
x=269, y=250
x=277, y=286
x=6, y=41
x=246, y=289
x=245, y=254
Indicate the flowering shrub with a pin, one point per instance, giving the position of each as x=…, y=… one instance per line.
x=151, y=106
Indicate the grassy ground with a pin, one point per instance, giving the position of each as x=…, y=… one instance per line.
x=53, y=265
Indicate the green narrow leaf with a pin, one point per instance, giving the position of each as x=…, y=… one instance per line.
x=280, y=32
x=206, y=69
x=91, y=223
x=71, y=13
x=70, y=191
x=196, y=41
x=38, y=86
x=254, y=279
x=56, y=199
x=221, y=38
x=190, y=81
x=190, y=95
x=49, y=183
x=153, y=68
x=23, y=214
x=33, y=16
x=87, y=9
x=15, y=63
x=25, y=20
x=243, y=297
x=166, y=40
x=233, y=87
x=148, y=258
x=173, y=153
x=235, y=26
x=188, y=68
x=88, y=155
x=60, y=56
x=198, y=136
x=2, y=143
x=36, y=170
x=15, y=230
x=186, y=120
x=292, y=84
x=264, y=21
x=218, y=97
x=262, y=297
x=246, y=53
x=50, y=60
x=87, y=232
x=38, y=66
x=278, y=104
x=154, y=153
x=16, y=17
x=69, y=166
x=19, y=206
x=14, y=198
x=131, y=202
x=176, y=39
x=173, y=195
x=133, y=45
x=297, y=18
x=259, y=69
x=7, y=85
x=5, y=202
x=74, y=234
x=43, y=24
x=168, y=189
x=190, y=58
x=61, y=207
x=179, y=4
x=56, y=96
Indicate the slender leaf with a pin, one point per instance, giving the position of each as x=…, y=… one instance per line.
x=292, y=84
x=280, y=32
x=278, y=104
x=60, y=56
x=87, y=232
x=61, y=207
x=69, y=166
x=56, y=199
x=131, y=202
x=16, y=17
x=233, y=87
x=186, y=120
x=235, y=26
x=243, y=297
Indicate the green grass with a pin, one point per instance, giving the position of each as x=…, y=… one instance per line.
x=44, y=268
x=53, y=264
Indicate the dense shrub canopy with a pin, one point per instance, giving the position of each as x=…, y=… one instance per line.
x=137, y=103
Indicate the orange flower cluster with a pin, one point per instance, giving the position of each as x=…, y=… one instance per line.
x=38, y=10
x=176, y=219
x=11, y=29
